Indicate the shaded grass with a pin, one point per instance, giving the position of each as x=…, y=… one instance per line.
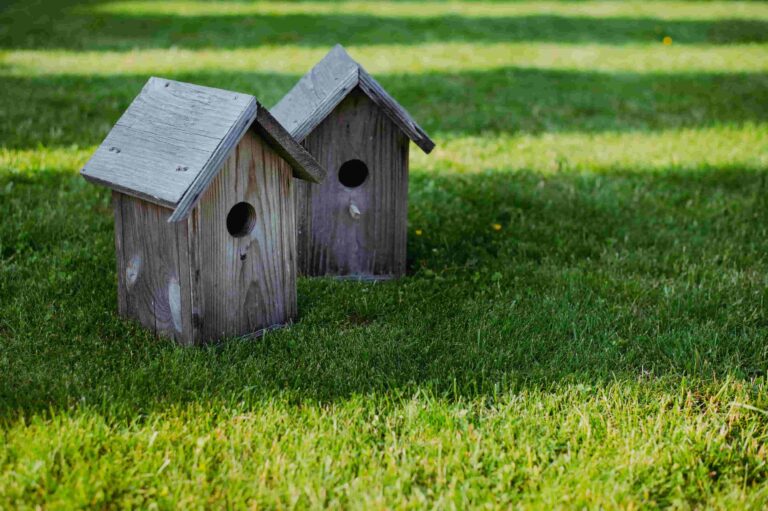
x=102, y=30
x=603, y=9
x=117, y=32
x=591, y=276
x=68, y=110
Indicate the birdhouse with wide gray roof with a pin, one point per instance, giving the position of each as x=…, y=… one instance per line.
x=355, y=223
x=201, y=182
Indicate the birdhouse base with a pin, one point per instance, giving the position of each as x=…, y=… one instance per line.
x=264, y=331
x=364, y=278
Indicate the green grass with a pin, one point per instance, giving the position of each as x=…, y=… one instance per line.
x=607, y=347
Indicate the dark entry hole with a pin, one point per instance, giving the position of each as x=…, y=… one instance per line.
x=240, y=219
x=353, y=173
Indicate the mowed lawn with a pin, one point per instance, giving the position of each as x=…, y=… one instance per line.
x=585, y=319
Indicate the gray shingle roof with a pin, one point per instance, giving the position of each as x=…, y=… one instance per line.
x=320, y=90
x=171, y=141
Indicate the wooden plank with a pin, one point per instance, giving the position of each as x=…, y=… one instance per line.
x=152, y=287
x=302, y=205
x=146, y=163
x=319, y=91
x=195, y=113
x=372, y=241
x=255, y=116
x=173, y=138
x=189, y=332
x=246, y=283
x=170, y=140
x=195, y=276
x=304, y=164
x=117, y=206
x=396, y=112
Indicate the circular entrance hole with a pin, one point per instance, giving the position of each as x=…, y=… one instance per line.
x=240, y=219
x=353, y=173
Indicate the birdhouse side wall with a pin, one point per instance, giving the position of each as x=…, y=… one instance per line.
x=355, y=230
x=152, y=268
x=244, y=283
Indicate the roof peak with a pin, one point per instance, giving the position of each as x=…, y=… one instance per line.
x=321, y=89
x=172, y=139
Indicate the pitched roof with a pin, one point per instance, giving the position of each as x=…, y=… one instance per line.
x=326, y=85
x=171, y=141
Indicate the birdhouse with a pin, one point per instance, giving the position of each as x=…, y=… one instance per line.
x=201, y=183
x=355, y=223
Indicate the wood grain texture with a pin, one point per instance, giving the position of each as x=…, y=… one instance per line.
x=122, y=293
x=395, y=112
x=304, y=165
x=256, y=116
x=206, y=175
x=360, y=231
x=242, y=285
x=170, y=136
x=195, y=282
x=152, y=289
x=172, y=140
x=319, y=91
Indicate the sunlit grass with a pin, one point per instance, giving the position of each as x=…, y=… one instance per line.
x=599, y=9
x=412, y=59
x=613, y=441
x=744, y=146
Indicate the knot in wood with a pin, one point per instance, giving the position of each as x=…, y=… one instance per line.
x=132, y=270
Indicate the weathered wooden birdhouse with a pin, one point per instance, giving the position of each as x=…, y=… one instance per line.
x=355, y=223
x=204, y=223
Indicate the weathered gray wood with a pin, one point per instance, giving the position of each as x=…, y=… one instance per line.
x=151, y=287
x=243, y=285
x=117, y=207
x=195, y=271
x=190, y=333
x=180, y=272
x=171, y=141
x=192, y=280
x=166, y=138
x=317, y=93
x=140, y=151
x=304, y=164
x=320, y=90
x=396, y=113
x=206, y=175
x=362, y=231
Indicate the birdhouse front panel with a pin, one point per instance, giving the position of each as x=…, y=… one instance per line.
x=355, y=223
x=243, y=250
